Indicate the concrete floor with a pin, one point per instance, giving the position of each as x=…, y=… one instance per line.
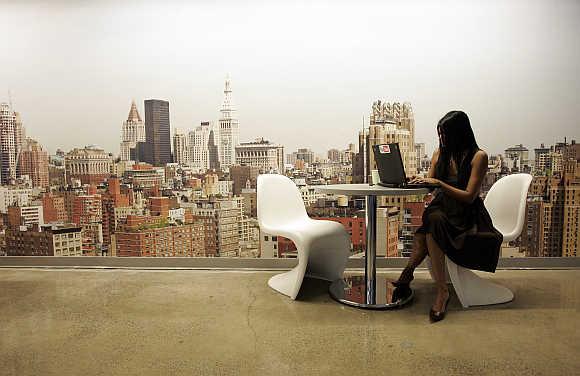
x=127, y=322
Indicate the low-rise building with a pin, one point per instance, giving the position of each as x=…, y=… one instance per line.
x=25, y=215
x=14, y=196
x=52, y=240
x=145, y=236
x=261, y=154
x=144, y=176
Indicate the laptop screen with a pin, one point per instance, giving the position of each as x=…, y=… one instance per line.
x=389, y=163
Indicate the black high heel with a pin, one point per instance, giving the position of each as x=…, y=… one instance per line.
x=405, y=278
x=435, y=316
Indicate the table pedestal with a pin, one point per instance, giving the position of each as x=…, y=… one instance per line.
x=368, y=291
x=353, y=291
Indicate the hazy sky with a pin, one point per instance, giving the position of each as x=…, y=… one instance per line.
x=303, y=73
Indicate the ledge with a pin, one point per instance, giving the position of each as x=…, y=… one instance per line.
x=248, y=263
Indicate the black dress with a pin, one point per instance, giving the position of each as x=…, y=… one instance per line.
x=464, y=232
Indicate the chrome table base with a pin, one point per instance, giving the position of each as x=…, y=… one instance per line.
x=384, y=295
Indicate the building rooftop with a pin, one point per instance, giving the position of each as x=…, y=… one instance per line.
x=53, y=226
x=133, y=113
x=209, y=322
x=259, y=142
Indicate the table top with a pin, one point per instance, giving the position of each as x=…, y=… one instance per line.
x=368, y=190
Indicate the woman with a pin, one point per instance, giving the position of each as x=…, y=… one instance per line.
x=456, y=223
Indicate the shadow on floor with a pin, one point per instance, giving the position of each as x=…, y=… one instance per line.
x=314, y=290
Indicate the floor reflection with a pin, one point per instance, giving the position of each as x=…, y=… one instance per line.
x=354, y=290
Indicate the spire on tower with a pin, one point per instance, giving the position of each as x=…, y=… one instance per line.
x=227, y=103
x=133, y=113
x=227, y=89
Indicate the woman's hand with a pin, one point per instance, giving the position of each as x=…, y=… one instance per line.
x=422, y=180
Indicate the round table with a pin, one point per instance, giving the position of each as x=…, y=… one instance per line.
x=369, y=291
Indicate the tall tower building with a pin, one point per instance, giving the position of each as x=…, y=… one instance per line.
x=8, y=142
x=229, y=130
x=19, y=139
x=392, y=123
x=553, y=210
x=33, y=161
x=213, y=149
x=388, y=123
x=203, y=148
x=157, y=132
x=133, y=131
x=180, y=148
x=541, y=160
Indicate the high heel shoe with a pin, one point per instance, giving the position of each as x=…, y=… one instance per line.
x=405, y=278
x=435, y=316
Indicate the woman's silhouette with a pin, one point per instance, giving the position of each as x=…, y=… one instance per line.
x=456, y=223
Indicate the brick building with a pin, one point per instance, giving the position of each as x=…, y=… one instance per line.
x=52, y=240
x=145, y=177
x=146, y=236
x=159, y=206
x=220, y=225
x=241, y=175
x=25, y=216
x=553, y=210
x=87, y=213
x=33, y=161
x=53, y=206
x=111, y=200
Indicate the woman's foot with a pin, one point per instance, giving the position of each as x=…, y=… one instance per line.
x=405, y=278
x=439, y=309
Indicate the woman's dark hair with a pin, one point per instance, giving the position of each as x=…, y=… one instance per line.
x=459, y=145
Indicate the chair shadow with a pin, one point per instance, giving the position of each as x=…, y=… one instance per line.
x=314, y=290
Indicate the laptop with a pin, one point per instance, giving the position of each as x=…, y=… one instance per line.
x=391, y=169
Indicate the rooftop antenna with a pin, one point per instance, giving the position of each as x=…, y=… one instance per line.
x=10, y=99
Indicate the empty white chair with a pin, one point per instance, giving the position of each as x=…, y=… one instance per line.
x=323, y=246
x=506, y=204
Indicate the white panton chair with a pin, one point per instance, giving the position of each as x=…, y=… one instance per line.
x=506, y=204
x=323, y=246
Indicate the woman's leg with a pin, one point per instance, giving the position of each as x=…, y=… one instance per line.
x=438, y=268
x=419, y=251
x=417, y=256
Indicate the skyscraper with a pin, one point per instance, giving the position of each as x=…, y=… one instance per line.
x=553, y=210
x=541, y=160
x=157, y=130
x=8, y=142
x=392, y=123
x=33, y=161
x=133, y=131
x=213, y=149
x=180, y=148
x=198, y=141
x=229, y=130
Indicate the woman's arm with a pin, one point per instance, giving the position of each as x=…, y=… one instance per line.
x=471, y=192
x=434, y=159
